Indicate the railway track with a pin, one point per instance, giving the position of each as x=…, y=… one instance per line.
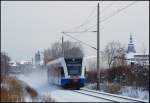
x=101, y=98
x=107, y=97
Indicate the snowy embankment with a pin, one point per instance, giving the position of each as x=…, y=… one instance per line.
x=128, y=91
x=37, y=79
x=135, y=92
x=14, y=90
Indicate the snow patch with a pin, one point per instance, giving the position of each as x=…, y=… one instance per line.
x=135, y=92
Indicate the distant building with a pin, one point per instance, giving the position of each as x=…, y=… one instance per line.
x=142, y=59
x=26, y=62
x=37, y=58
x=136, y=58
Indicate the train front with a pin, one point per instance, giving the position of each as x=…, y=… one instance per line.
x=75, y=73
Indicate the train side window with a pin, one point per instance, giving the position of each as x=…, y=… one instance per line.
x=62, y=72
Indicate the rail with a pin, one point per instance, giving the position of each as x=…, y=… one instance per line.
x=108, y=96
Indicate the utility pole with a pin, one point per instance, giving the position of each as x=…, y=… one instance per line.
x=62, y=46
x=98, y=73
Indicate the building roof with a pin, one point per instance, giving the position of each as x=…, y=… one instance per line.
x=132, y=55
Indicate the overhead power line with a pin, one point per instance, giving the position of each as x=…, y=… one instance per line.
x=107, y=7
x=87, y=30
x=87, y=20
x=111, y=15
x=119, y=10
x=90, y=15
x=81, y=41
x=79, y=32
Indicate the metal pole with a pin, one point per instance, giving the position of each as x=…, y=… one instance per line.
x=62, y=46
x=98, y=75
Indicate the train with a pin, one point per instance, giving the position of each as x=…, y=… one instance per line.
x=67, y=72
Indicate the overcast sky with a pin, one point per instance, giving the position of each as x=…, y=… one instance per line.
x=28, y=26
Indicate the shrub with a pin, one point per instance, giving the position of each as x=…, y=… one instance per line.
x=33, y=93
x=114, y=88
x=11, y=90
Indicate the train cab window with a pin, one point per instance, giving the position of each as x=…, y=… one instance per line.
x=62, y=72
x=74, y=70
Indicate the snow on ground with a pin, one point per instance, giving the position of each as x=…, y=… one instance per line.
x=28, y=98
x=138, y=93
x=70, y=96
x=135, y=92
x=37, y=79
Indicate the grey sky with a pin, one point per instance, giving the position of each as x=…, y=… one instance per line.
x=28, y=26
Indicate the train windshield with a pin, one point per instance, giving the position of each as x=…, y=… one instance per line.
x=74, y=66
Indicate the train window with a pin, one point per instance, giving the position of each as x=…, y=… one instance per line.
x=62, y=72
x=74, y=70
x=74, y=65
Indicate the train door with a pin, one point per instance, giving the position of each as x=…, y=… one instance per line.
x=62, y=72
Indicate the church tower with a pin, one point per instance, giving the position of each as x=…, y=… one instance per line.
x=131, y=46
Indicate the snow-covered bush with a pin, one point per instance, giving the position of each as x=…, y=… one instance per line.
x=128, y=76
x=113, y=88
x=46, y=98
x=105, y=87
x=91, y=86
x=135, y=92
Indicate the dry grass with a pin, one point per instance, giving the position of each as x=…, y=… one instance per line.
x=114, y=88
x=13, y=90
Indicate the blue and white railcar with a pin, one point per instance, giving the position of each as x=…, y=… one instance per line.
x=67, y=72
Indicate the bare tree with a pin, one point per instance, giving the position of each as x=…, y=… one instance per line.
x=144, y=55
x=119, y=59
x=71, y=49
x=111, y=51
x=4, y=63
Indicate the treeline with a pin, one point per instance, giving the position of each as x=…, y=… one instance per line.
x=4, y=63
x=71, y=49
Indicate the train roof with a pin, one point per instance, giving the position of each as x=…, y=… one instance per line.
x=59, y=61
x=56, y=61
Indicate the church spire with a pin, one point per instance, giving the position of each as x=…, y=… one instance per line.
x=131, y=39
x=131, y=46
